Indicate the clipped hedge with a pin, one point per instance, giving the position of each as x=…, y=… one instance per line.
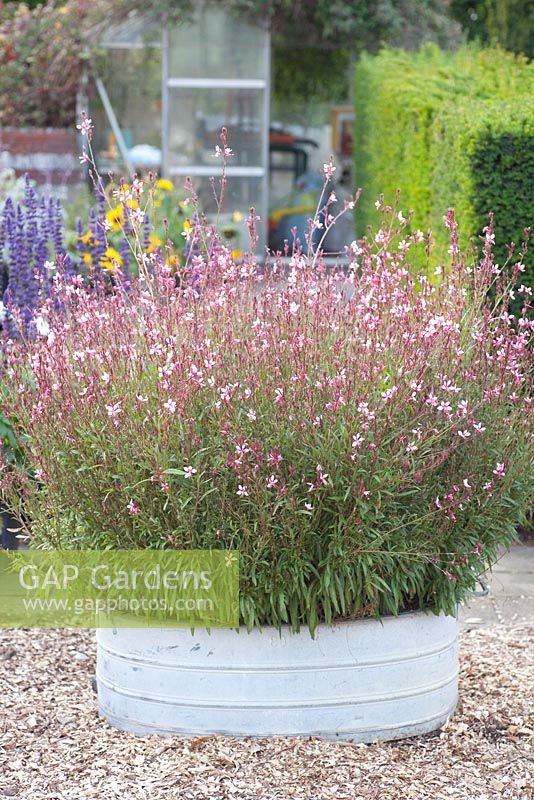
x=482, y=154
x=447, y=130
x=394, y=106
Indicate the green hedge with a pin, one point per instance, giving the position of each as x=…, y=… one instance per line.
x=447, y=130
x=394, y=105
x=482, y=154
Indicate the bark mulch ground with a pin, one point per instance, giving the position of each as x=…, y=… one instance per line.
x=53, y=744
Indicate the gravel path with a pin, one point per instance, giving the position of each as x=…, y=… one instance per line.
x=54, y=746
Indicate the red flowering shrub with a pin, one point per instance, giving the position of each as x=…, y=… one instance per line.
x=42, y=55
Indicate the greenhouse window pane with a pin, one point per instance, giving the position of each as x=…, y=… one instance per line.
x=217, y=45
x=132, y=79
x=134, y=31
x=196, y=117
x=240, y=194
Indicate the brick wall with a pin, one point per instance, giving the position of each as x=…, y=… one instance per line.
x=48, y=155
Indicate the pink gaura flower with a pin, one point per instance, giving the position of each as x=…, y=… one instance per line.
x=329, y=169
x=225, y=393
x=242, y=491
x=189, y=472
x=133, y=508
x=357, y=441
x=321, y=476
x=500, y=470
x=390, y=393
x=113, y=410
x=448, y=386
x=223, y=151
x=462, y=408
x=170, y=406
x=137, y=186
x=86, y=125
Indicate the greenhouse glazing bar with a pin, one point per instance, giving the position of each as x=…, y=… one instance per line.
x=212, y=84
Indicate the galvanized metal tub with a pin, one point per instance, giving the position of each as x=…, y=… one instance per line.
x=359, y=680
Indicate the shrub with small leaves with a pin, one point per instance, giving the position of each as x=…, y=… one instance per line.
x=448, y=130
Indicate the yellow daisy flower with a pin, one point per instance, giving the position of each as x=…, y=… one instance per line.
x=112, y=259
x=237, y=216
x=155, y=242
x=165, y=185
x=115, y=217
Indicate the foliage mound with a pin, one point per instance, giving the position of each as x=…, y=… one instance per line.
x=448, y=130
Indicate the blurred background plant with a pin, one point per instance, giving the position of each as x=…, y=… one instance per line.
x=448, y=130
x=11, y=186
x=44, y=46
x=94, y=235
x=31, y=248
x=507, y=23
x=41, y=59
x=43, y=51
x=104, y=237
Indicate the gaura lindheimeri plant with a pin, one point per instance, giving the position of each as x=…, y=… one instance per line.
x=363, y=437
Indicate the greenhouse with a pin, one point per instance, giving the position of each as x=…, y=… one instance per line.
x=168, y=90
